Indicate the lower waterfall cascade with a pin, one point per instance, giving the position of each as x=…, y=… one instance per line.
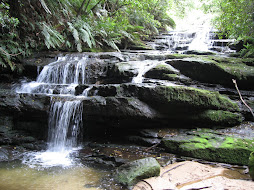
x=65, y=114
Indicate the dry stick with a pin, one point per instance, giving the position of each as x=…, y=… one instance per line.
x=171, y=169
x=234, y=81
x=149, y=148
x=148, y=184
x=200, y=188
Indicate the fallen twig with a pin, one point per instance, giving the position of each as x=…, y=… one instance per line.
x=149, y=148
x=148, y=184
x=234, y=81
x=199, y=188
x=171, y=169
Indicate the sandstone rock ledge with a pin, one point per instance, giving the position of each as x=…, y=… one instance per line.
x=192, y=175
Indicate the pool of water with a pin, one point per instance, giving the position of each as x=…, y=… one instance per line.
x=38, y=171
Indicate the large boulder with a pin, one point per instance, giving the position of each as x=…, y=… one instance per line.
x=211, y=145
x=130, y=173
x=216, y=70
x=180, y=103
x=125, y=71
x=164, y=71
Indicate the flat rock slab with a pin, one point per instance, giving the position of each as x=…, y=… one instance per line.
x=210, y=145
x=188, y=175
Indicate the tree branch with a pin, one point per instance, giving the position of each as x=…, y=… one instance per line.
x=96, y=5
x=81, y=7
x=234, y=81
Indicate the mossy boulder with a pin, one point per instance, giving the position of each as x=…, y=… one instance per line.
x=183, y=99
x=211, y=69
x=251, y=165
x=217, y=117
x=186, y=104
x=209, y=145
x=165, y=72
x=130, y=173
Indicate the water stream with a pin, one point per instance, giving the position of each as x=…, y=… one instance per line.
x=65, y=115
x=59, y=167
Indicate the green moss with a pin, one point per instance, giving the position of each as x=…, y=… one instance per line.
x=251, y=165
x=211, y=146
x=130, y=173
x=178, y=56
x=219, y=117
x=234, y=66
x=197, y=97
x=171, y=77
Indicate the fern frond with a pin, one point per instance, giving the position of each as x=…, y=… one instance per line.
x=45, y=6
x=52, y=38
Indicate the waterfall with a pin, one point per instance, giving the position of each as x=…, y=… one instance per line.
x=59, y=77
x=142, y=68
x=66, y=110
x=65, y=121
x=66, y=70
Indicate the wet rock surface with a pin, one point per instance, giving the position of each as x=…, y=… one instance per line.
x=196, y=176
x=130, y=173
x=178, y=107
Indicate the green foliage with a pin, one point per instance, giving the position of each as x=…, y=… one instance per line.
x=10, y=49
x=235, y=18
x=75, y=25
x=52, y=38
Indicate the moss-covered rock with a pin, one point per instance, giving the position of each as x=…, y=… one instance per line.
x=130, y=173
x=124, y=71
x=183, y=98
x=159, y=70
x=218, y=117
x=165, y=72
x=217, y=70
x=186, y=104
x=251, y=165
x=209, y=145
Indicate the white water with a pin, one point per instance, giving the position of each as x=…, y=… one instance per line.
x=65, y=125
x=66, y=70
x=59, y=77
x=86, y=91
x=65, y=115
x=142, y=68
x=65, y=121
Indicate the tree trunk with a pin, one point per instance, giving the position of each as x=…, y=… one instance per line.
x=81, y=7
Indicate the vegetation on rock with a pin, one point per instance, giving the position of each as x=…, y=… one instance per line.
x=130, y=173
x=209, y=145
x=251, y=165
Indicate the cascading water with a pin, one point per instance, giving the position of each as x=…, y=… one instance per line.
x=142, y=68
x=65, y=114
x=193, y=32
x=65, y=121
x=59, y=77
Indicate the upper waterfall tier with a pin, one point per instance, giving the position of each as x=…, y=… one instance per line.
x=66, y=70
